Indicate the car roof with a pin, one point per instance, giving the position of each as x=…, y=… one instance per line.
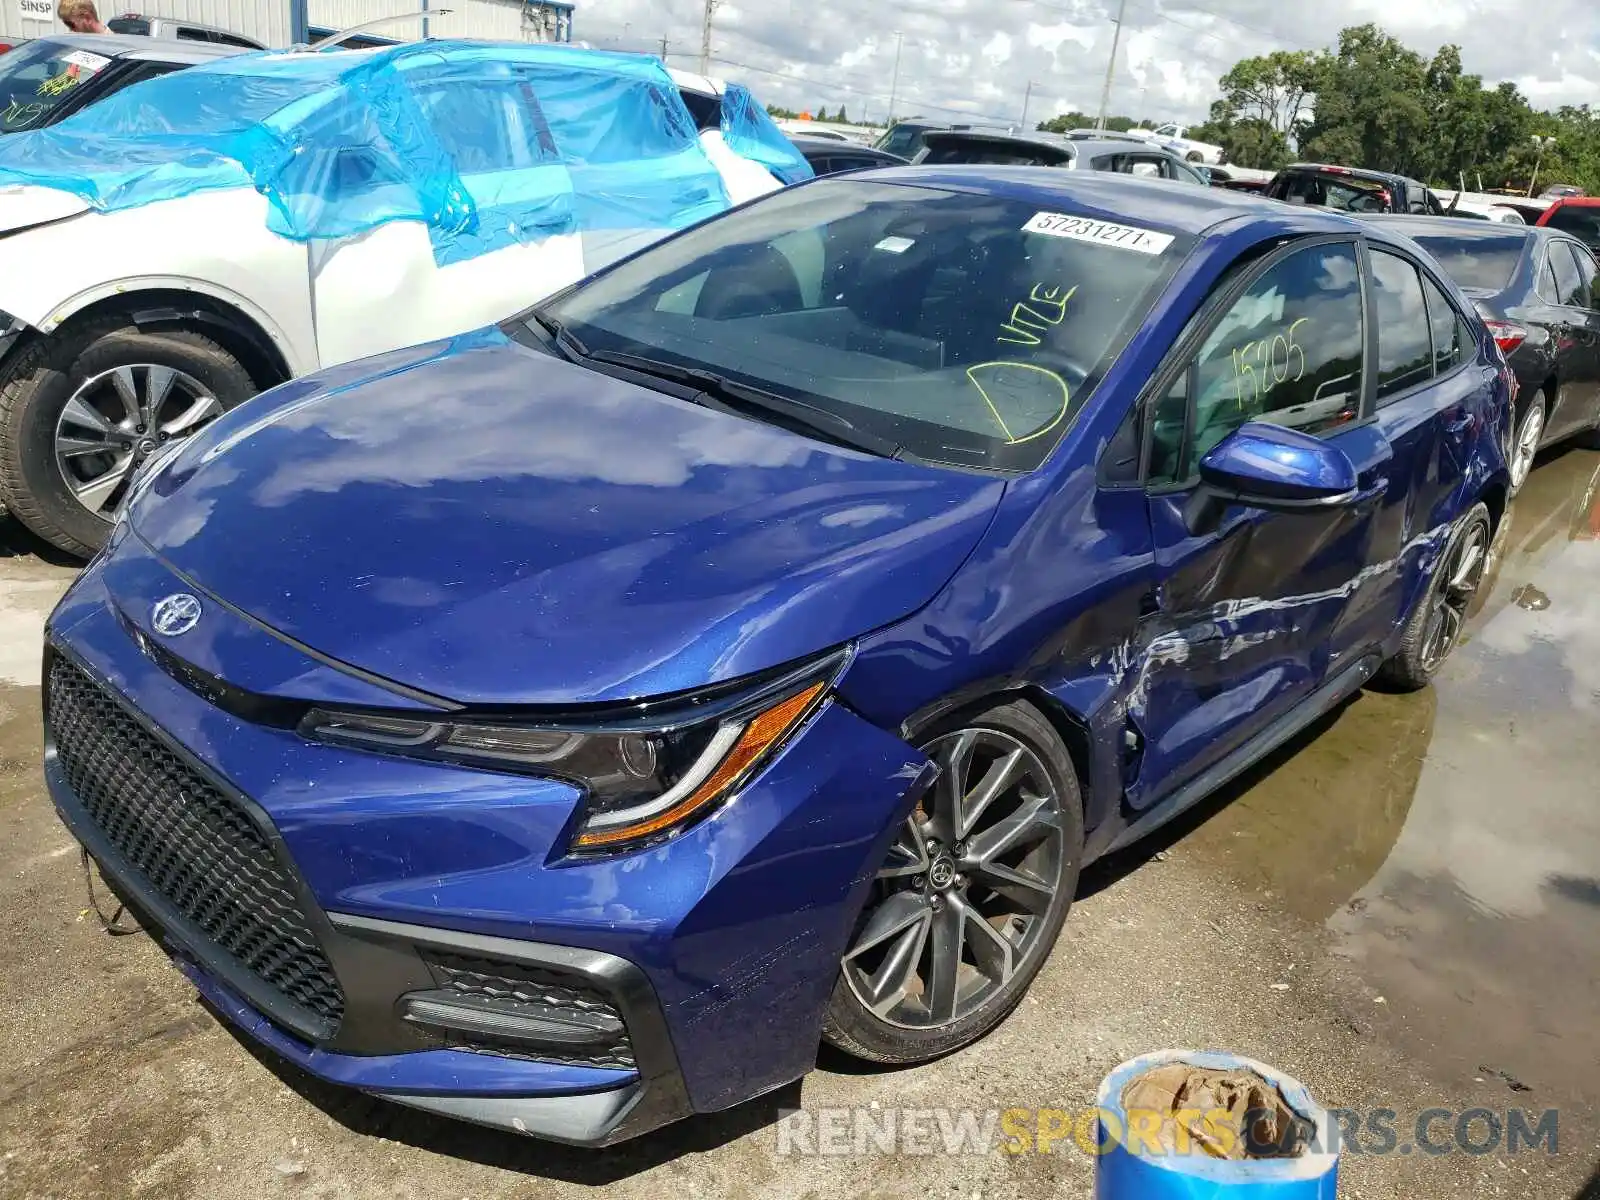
x=1576, y=202
x=1415, y=226
x=827, y=145
x=1356, y=172
x=1188, y=210
x=139, y=46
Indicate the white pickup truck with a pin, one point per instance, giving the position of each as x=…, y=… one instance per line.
x=1172, y=137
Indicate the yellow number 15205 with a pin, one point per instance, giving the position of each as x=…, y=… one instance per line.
x=1262, y=365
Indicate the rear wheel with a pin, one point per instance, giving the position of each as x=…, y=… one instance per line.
x=1526, y=446
x=81, y=409
x=1434, y=626
x=973, y=894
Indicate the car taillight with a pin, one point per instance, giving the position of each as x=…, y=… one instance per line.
x=1508, y=335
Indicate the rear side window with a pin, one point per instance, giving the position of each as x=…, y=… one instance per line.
x=1477, y=262
x=904, y=140
x=1405, y=350
x=1449, y=350
x=133, y=25
x=1570, y=290
x=1586, y=275
x=1288, y=351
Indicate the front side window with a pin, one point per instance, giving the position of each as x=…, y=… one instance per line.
x=1288, y=352
x=1405, y=354
x=967, y=328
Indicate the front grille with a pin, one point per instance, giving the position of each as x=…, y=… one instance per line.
x=192, y=843
x=512, y=984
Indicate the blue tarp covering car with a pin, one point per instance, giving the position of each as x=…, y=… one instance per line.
x=488, y=144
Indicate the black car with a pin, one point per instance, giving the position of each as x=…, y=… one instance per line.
x=48, y=79
x=1125, y=156
x=905, y=137
x=1536, y=290
x=829, y=156
x=1353, y=189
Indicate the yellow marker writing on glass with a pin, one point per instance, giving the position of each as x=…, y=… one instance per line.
x=997, y=372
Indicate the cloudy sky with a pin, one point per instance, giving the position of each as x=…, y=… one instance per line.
x=978, y=56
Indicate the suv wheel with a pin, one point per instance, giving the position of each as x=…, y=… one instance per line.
x=971, y=898
x=81, y=409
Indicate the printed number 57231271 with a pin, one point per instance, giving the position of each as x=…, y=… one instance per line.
x=1262, y=365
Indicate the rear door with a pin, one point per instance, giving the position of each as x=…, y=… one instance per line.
x=1247, y=616
x=1571, y=275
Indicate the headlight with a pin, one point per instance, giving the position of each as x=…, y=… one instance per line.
x=642, y=778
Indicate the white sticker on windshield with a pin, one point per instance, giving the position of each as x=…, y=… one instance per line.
x=895, y=245
x=84, y=59
x=1105, y=233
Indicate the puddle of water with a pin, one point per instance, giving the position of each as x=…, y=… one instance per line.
x=1451, y=839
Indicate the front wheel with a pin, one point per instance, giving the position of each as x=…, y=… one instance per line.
x=1434, y=626
x=973, y=894
x=82, y=408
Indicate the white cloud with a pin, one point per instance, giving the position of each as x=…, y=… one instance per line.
x=967, y=58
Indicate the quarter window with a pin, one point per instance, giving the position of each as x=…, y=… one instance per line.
x=1404, y=342
x=1288, y=351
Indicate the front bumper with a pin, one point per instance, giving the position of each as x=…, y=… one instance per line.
x=719, y=948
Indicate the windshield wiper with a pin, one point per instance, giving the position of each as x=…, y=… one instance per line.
x=571, y=348
x=807, y=418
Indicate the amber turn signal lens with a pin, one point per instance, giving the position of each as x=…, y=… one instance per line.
x=762, y=734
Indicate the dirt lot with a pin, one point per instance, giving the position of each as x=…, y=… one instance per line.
x=1403, y=911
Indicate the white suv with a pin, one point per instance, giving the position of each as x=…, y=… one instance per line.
x=152, y=278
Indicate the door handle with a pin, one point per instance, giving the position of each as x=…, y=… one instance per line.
x=1458, y=422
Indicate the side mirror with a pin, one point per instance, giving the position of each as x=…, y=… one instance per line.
x=1273, y=467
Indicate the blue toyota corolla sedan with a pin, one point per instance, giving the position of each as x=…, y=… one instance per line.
x=567, y=725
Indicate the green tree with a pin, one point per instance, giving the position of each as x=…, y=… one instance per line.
x=841, y=116
x=1271, y=91
x=1372, y=104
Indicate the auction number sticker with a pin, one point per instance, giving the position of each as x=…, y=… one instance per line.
x=1105, y=233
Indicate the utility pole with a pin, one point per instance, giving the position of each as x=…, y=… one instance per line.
x=894, y=80
x=1026, y=96
x=1111, y=66
x=705, y=37
x=1538, y=161
x=663, y=47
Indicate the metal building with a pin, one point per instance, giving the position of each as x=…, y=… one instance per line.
x=283, y=22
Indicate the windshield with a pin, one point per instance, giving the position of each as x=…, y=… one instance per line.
x=1477, y=262
x=967, y=328
x=36, y=79
x=904, y=139
x=1580, y=220
x=1343, y=193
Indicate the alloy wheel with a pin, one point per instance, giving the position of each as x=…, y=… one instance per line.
x=961, y=904
x=117, y=419
x=1458, y=582
x=1527, y=448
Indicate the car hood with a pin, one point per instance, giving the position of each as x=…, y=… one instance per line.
x=22, y=206
x=492, y=525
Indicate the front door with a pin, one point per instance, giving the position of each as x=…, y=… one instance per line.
x=1246, y=613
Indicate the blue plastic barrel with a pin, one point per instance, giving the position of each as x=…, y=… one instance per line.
x=1132, y=1169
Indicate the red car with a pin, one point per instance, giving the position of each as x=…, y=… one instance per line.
x=1578, y=216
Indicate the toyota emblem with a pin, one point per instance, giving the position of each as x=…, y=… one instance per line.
x=175, y=614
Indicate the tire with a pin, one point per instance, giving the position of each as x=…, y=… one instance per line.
x=1525, y=444
x=202, y=380
x=1441, y=610
x=1195, y=156
x=934, y=892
